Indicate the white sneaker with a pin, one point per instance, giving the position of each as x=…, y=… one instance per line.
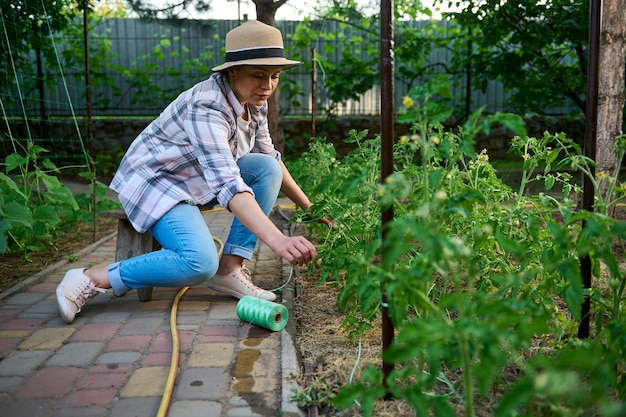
x=239, y=284
x=73, y=293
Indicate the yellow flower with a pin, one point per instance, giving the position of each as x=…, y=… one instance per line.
x=436, y=140
x=404, y=139
x=601, y=175
x=407, y=102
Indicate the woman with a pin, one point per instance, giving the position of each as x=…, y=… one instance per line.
x=210, y=146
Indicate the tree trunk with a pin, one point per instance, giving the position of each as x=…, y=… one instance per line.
x=610, y=87
x=266, y=13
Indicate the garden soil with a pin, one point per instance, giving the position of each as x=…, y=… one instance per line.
x=15, y=267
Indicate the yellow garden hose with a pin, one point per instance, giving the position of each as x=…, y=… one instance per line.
x=171, y=377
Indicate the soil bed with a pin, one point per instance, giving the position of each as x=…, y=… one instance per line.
x=15, y=267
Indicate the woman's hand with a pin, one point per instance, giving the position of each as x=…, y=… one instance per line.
x=296, y=250
x=310, y=218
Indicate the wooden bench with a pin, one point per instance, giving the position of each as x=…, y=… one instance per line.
x=131, y=243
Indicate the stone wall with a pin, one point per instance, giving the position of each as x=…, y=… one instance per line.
x=112, y=136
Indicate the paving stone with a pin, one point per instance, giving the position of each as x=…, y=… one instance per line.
x=270, y=341
x=128, y=343
x=158, y=359
x=26, y=298
x=46, y=308
x=90, y=398
x=187, y=327
x=49, y=338
x=14, y=333
x=161, y=343
x=80, y=412
x=22, y=324
x=219, y=331
x=111, y=368
x=57, y=322
x=195, y=409
x=202, y=383
x=188, y=318
x=118, y=358
x=30, y=408
x=96, y=332
x=110, y=317
x=8, y=344
x=49, y=382
x=247, y=412
x=156, y=305
x=186, y=339
x=134, y=407
x=223, y=311
x=146, y=382
x=211, y=355
x=95, y=380
x=147, y=310
x=187, y=305
x=76, y=354
x=255, y=385
x=143, y=326
x=23, y=363
x=8, y=384
x=113, y=360
x=45, y=287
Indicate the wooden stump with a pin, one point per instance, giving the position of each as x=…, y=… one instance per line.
x=131, y=243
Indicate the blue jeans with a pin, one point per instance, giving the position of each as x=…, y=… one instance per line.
x=189, y=255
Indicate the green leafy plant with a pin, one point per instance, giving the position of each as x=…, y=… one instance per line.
x=33, y=203
x=482, y=283
x=35, y=206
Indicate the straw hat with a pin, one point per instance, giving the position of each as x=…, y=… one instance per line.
x=255, y=43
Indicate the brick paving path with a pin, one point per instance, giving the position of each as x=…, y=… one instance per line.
x=113, y=360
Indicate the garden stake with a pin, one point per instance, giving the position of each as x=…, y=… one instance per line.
x=386, y=150
x=92, y=155
x=591, y=124
x=313, y=93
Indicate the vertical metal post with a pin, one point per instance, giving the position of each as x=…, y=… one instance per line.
x=387, y=138
x=591, y=124
x=468, y=74
x=92, y=158
x=314, y=93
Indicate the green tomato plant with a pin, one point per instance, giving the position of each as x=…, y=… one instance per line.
x=33, y=203
x=482, y=282
x=35, y=206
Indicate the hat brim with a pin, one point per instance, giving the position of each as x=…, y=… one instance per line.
x=278, y=62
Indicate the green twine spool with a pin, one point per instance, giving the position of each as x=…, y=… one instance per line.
x=263, y=313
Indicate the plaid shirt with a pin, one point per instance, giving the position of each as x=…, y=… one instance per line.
x=188, y=154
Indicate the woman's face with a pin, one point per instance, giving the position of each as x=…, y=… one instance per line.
x=254, y=84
